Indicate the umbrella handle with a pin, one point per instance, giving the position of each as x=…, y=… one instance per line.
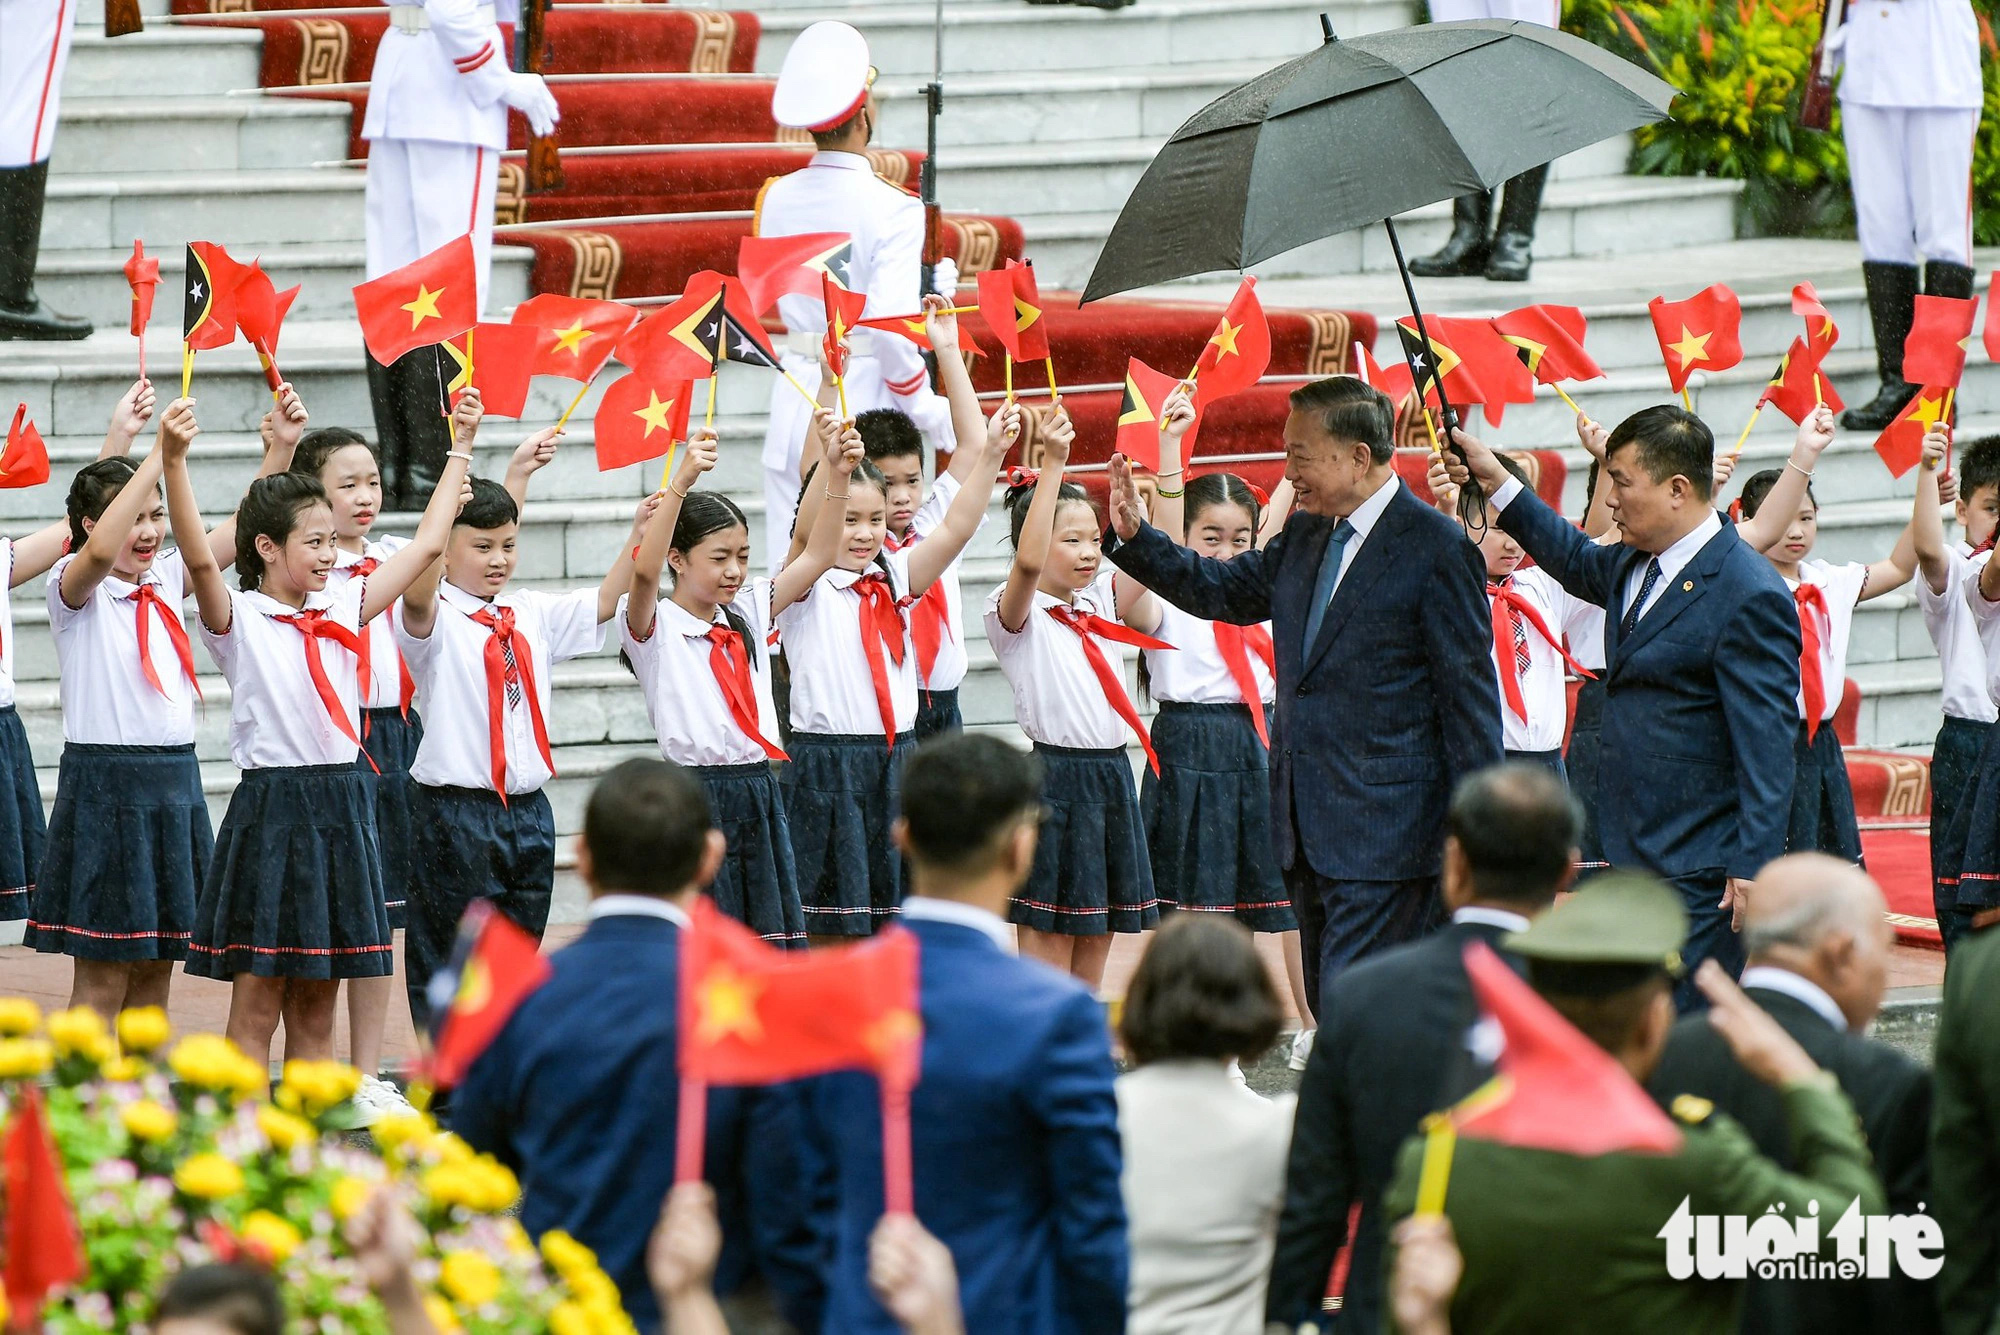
x=1447, y=415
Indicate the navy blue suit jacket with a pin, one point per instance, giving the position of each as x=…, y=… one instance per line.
x=1015, y=1150
x=579, y=1096
x=1700, y=701
x=1397, y=700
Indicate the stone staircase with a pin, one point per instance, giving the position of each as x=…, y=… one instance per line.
x=1051, y=116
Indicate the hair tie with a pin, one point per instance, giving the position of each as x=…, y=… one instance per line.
x=1263, y=497
x=1736, y=511
x=1018, y=477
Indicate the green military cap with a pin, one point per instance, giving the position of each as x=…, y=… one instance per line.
x=1621, y=919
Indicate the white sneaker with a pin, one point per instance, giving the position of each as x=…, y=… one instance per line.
x=1302, y=1046
x=376, y=1099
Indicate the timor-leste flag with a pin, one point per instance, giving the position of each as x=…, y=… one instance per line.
x=770, y=267
x=498, y=360
x=1395, y=380
x=640, y=418
x=843, y=312
x=709, y=325
x=1901, y=443
x=420, y=304
x=1798, y=389
x=1142, y=413
x=208, y=300
x=1012, y=307
x=1702, y=333
x=44, y=1247
x=1549, y=342
x=1238, y=352
x=25, y=461
x=915, y=329
x=261, y=308
x=581, y=332
x=1934, y=353
x=1821, y=332
x=494, y=967
x=142, y=274
x=1472, y=361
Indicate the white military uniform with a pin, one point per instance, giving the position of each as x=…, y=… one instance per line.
x=1548, y=13
x=1909, y=102
x=436, y=125
x=34, y=49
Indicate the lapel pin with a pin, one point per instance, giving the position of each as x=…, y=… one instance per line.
x=1687, y=586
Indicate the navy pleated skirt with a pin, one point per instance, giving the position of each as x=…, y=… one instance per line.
x=1092, y=874
x=391, y=742
x=758, y=884
x=1822, y=799
x=937, y=714
x=1552, y=761
x=127, y=852
x=1954, y=763
x=1974, y=885
x=841, y=796
x=1586, y=731
x=295, y=890
x=1208, y=817
x=21, y=827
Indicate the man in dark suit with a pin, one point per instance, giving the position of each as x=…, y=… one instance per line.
x=1392, y=1045
x=1702, y=644
x=1965, y=1135
x=1386, y=696
x=1818, y=948
x=1015, y=1149
x=579, y=1093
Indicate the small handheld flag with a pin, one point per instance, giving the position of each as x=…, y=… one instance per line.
x=1549, y=342
x=1012, y=306
x=421, y=304
x=1142, y=415
x=495, y=966
x=640, y=418
x=1901, y=443
x=25, y=461
x=1821, y=332
x=581, y=333
x=1934, y=352
x=770, y=267
x=43, y=1244
x=143, y=275
x=1702, y=333
x=1798, y=389
x=208, y=305
x=260, y=314
x=499, y=361
x=1238, y=352
x=1474, y=363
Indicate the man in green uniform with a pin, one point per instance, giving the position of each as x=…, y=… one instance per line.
x=1556, y=1242
x=1965, y=1134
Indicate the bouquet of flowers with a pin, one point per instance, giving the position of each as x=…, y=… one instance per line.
x=174, y=1156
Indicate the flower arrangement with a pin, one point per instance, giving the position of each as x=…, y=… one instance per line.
x=173, y=1157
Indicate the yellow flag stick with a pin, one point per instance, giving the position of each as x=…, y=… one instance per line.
x=1564, y=394
x=187, y=367
x=1055, y=393
x=1747, y=428
x=667, y=474
x=1440, y=1139
x=1686, y=402
x=708, y=416
x=840, y=387
x=1819, y=393
x=812, y=401
x=1430, y=425
x=574, y=403
x=1010, y=376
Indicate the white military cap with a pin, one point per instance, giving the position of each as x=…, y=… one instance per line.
x=825, y=78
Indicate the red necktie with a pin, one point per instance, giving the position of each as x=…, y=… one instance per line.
x=1090, y=628
x=1813, y=615
x=362, y=569
x=1235, y=644
x=731, y=665
x=314, y=627
x=147, y=596
x=510, y=671
x=882, y=639
x=930, y=618
x=1510, y=642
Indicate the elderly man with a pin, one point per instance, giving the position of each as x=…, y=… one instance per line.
x=1818, y=950
x=1385, y=697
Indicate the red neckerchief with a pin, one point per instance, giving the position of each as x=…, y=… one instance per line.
x=930, y=616
x=1508, y=604
x=882, y=640
x=361, y=570
x=313, y=626
x=1090, y=628
x=500, y=620
x=1235, y=644
x=147, y=596
x=1813, y=614
x=729, y=661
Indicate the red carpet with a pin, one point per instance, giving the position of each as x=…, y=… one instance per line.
x=1892, y=801
x=607, y=185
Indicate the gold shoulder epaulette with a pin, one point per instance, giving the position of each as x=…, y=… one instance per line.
x=1692, y=1109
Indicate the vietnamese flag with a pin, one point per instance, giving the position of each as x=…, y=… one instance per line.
x=143, y=275
x=25, y=461
x=43, y=1245
x=1239, y=351
x=582, y=333
x=1549, y=342
x=678, y=341
x=1821, y=332
x=495, y=966
x=1798, y=389
x=843, y=312
x=208, y=307
x=1901, y=443
x=914, y=328
x=421, y=304
x=1475, y=364
x=260, y=314
x=770, y=267
x=1702, y=333
x=498, y=360
x=1012, y=306
x=1992, y=331
x=1393, y=381
x=640, y=418
x=1142, y=413
x=1934, y=352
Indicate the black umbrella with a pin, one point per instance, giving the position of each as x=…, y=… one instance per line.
x=1359, y=131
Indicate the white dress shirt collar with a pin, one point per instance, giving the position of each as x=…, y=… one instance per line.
x=639, y=906
x=924, y=908
x=1675, y=558
x=1491, y=917
x=467, y=603
x=1365, y=514
x=853, y=162
x=683, y=622
x=1773, y=979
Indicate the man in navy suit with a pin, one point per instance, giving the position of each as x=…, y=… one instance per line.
x=579, y=1093
x=1392, y=1045
x=1015, y=1153
x=1701, y=644
x=1386, y=693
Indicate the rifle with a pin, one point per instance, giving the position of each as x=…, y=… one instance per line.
x=531, y=54
x=122, y=17
x=927, y=178
x=1816, y=104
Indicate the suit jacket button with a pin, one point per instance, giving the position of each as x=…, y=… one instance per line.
x=1303, y=690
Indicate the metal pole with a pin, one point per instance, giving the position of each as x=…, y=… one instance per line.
x=1447, y=418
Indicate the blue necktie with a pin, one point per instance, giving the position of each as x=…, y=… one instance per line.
x=1645, y=587
x=1329, y=574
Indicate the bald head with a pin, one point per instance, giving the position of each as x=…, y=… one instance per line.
x=1823, y=919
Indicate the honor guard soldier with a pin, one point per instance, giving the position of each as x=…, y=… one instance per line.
x=436, y=126
x=825, y=89
x=34, y=48
x=1909, y=104
x=1559, y=1242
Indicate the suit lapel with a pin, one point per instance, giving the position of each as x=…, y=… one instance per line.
x=1291, y=600
x=1685, y=590
x=1360, y=574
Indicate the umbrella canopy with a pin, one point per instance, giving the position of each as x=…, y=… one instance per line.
x=1359, y=131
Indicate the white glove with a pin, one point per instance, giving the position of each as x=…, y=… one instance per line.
x=944, y=277
x=529, y=94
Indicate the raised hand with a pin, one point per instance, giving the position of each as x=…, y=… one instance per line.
x=1177, y=413
x=1128, y=511
x=536, y=452
x=1003, y=429
x=1593, y=436
x=1816, y=432
x=698, y=458
x=1480, y=463
x=1443, y=490
x=681, y=1256
x=1057, y=436
x=134, y=410
x=178, y=428
x=1936, y=441
x=913, y=1276
x=941, y=325
x=465, y=418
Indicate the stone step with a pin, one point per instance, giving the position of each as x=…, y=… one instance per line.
x=163, y=61
x=135, y=134
x=88, y=211
x=90, y=14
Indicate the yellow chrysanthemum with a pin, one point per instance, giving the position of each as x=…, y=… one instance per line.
x=350, y=1196
x=396, y=1130
x=25, y=1058
x=313, y=1087
x=516, y=1238
x=204, y=1061
x=19, y=1016
x=478, y=1185
x=569, y=1318
x=125, y=1069
x=78, y=1030
x=270, y=1235
x=441, y=1315
x=143, y=1028
x=470, y=1279
x=594, y=1288
x=149, y=1121
x=286, y=1131
x=566, y=1254
x=451, y=1149
x=209, y=1177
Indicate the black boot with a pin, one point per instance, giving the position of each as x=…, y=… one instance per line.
x=426, y=429
x=1514, y=240
x=1892, y=306
x=1465, y=253
x=22, y=314
x=1942, y=278
x=389, y=435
